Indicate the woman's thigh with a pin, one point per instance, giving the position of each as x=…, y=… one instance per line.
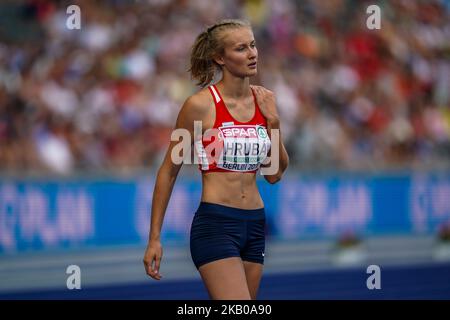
x=225, y=279
x=253, y=274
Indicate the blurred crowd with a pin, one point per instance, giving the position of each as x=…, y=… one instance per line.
x=105, y=97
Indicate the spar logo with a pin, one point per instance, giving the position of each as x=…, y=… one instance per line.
x=243, y=131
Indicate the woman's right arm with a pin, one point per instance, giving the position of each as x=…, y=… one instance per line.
x=193, y=109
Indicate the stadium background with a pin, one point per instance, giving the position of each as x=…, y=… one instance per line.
x=86, y=115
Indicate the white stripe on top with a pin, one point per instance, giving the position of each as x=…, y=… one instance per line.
x=216, y=96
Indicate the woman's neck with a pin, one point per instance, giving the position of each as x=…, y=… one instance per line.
x=233, y=87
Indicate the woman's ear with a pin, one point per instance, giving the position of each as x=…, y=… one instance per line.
x=219, y=60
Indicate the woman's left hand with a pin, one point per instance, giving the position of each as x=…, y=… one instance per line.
x=267, y=103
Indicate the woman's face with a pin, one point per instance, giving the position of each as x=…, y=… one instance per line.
x=240, y=54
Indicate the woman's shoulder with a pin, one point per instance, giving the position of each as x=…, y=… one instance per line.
x=255, y=87
x=199, y=102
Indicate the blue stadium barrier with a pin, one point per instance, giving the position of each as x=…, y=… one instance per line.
x=76, y=213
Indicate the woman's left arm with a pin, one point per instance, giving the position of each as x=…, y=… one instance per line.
x=267, y=105
x=283, y=158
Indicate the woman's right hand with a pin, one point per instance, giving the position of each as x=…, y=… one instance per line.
x=152, y=259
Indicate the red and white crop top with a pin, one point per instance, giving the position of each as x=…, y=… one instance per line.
x=231, y=145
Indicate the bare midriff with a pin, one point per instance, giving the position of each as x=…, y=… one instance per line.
x=233, y=189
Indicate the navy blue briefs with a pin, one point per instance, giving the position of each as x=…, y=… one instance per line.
x=219, y=232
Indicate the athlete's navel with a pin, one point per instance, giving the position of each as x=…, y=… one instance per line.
x=242, y=187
